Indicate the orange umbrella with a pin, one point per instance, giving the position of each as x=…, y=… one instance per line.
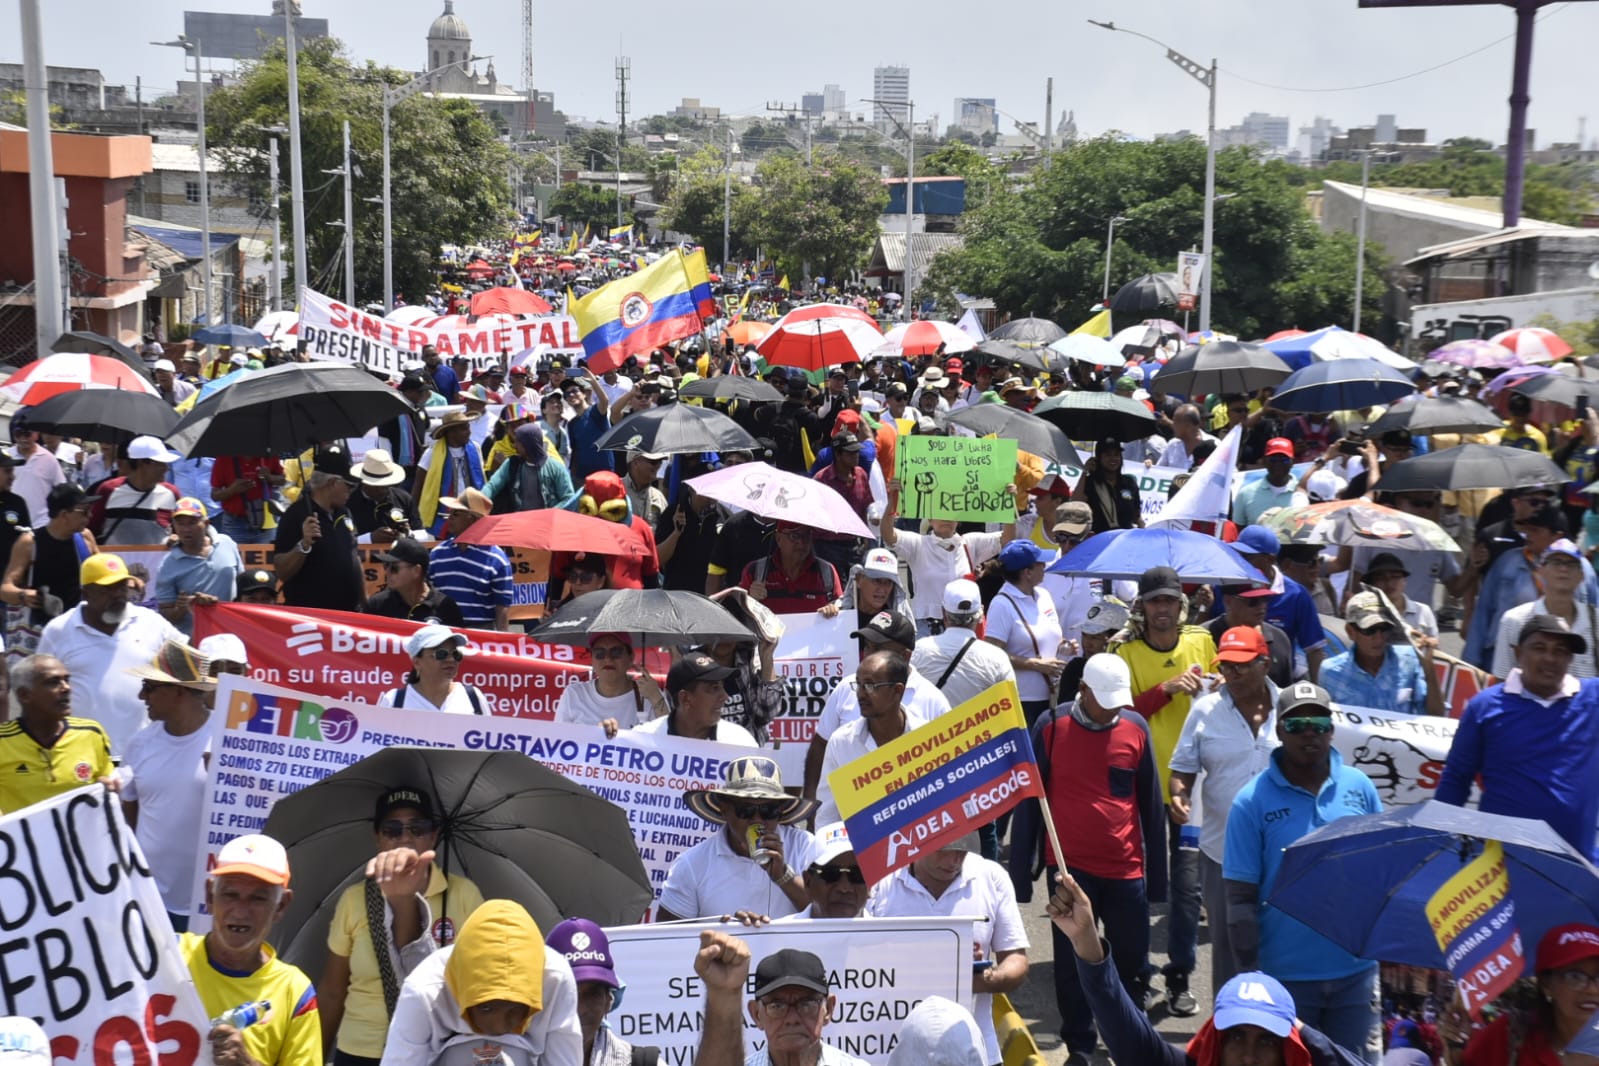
x=748, y=331
x=508, y=301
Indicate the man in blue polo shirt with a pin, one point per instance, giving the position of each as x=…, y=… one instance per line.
x=1291, y=608
x=1534, y=739
x=1306, y=785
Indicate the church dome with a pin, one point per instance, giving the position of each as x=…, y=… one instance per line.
x=449, y=26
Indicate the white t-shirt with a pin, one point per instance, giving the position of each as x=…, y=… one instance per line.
x=456, y=702
x=1216, y=739
x=710, y=879
x=934, y=562
x=981, y=667
x=848, y=743
x=102, y=688
x=582, y=703
x=844, y=706
x=166, y=776
x=1509, y=631
x=726, y=733
x=1034, y=633
x=35, y=477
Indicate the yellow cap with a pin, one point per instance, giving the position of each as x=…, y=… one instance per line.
x=103, y=568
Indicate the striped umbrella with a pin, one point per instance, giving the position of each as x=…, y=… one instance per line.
x=68, y=371
x=1533, y=344
x=820, y=335
x=924, y=337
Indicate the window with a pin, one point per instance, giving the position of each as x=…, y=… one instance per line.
x=452, y=55
x=191, y=192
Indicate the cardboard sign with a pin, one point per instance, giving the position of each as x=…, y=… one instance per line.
x=960, y=478
x=814, y=655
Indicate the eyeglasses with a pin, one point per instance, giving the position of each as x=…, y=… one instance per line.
x=1319, y=726
x=416, y=827
x=809, y=1007
x=867, y=686
x=831, y=874
x=1576, y=980
x=766, y=812
x=618, y=651
x=1237, y=668
x=444, y=655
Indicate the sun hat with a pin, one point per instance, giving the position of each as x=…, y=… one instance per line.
x=377, y=467
x=454, y=418
x=176, y=663
x=750, y=778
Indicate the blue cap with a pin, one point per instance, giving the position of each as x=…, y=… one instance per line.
x=1255, y=998
x=1257, y=540
x=1019, y=555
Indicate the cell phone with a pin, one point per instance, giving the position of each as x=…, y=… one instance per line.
x=1348, y=447
x=1582, y=406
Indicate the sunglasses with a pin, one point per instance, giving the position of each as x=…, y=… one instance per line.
x=444, y=655
x=831, y=874
x=417, y=827
x=766, y=812
x=619, y=651
x=1375, y=631
x=1319, y=726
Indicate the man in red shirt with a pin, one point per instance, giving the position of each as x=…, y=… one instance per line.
x=1098, y=763
x=849, y=479
x=793, y=579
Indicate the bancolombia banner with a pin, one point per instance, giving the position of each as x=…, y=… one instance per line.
x=269, y=741
x=879, y=968
x=89, y=952
x=348, y=329
x=340, y=655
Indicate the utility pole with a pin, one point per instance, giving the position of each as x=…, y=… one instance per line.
x=909, y=128
x=296, y=173
x=205, y=183
x=1360, y=243
x=50, y=313
x=349, y=223
x=624, y=71
x=727, y=200
x=277, y=226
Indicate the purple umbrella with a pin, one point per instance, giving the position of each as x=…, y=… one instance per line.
x=1514, y=375
x=781, y=496
x=1477, y=354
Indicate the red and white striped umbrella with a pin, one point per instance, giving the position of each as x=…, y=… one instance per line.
x=925, y=337
x=820, y=335
x=279, y=326
x=426, y=319
x=1534, y=344
x=69, y=372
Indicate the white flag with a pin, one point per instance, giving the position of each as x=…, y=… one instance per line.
x=1208, y=496
x=972, y=327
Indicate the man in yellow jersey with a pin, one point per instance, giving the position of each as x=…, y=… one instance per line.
x=1168, y=661
x=47, y=751
x=232, y=965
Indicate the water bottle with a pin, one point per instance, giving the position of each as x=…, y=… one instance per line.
x=244, y=1015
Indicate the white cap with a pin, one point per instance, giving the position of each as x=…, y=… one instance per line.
x=153, y=348
x=164, y=364
x=962, y=596
x=431, y=637
x=880, y=562
x=23, y=1043
x=1108, y=678
x=1322, y=486
x=151, y=448
x=253, y=855
x=238, y=359
x=223, y=647
x=833, y=841
x=871, y=406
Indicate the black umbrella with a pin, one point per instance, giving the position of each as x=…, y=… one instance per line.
x=110, y=416
x=732, y=387
x=1152, y=292
x=517, y=829
x=1031, y=433
x=1035, y=331
x=1096, y=415
x=993, y=352
x=1437, y=414
x=286, y=409
x=92, y=343
x=660, y=618
x=677, y=429
x=1556, y=388
x=1224, y=368
x=1472, y=466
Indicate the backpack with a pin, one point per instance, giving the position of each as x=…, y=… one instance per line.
x=472, y=695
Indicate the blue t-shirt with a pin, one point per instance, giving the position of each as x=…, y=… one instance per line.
x=1289, y=949
x=446, y=382
x=1294, y=612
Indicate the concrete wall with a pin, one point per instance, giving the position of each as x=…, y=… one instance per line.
x=1400, y=235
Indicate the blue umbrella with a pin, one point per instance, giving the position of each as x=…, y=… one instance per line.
x=1341, y=385
x=1364, y=882
x=231, y=335
x=217, y=384
x=1127, y=553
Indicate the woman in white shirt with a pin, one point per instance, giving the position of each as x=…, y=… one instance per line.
x=436, y=653
x=611, y=697
x=1023, y=621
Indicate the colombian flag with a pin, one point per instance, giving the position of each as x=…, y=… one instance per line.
x=636, y=314
x=617, y=233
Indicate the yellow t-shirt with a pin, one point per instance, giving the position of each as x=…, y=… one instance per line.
x=1529, y=439
x=30, y=773
x=366, y=1020
x=1195, y=647
x=291, y=1035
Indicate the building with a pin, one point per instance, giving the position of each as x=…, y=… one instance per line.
x=812, y=104
x=976, y=115
x=891, y=86
x=691, y=108
x=1385, y=141
x=833, y=99
x=449, y=46
x=69, y=88
x=1269, y=131
x=1314, y=139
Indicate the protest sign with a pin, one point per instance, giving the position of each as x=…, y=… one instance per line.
x=1403, y=754
x=935, y=784
x=960, y=478
x=1154, y=482
x=482, y=341
x=814, y=655
x=878, y=968
x=1474, y=919
x=344, y=656
x=89, y=951
x=269, y=741
x=387, y=353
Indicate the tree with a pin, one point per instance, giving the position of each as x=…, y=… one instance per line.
x=695, y=205
x=581, y=204
x=14, y=110
x=825, y=215
x=450, y=174
x=960, y=159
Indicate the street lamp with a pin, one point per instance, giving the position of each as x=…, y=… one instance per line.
x=1206, y=76
x=1110, y=239
x=392, y=96
x=909, y=127
x=277, y=215
x=193, y=48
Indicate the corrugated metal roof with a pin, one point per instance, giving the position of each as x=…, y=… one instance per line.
x=156, y=254
x=186, y=242
x=185, y=159
x=889, y=255
x=1456, y=249
x=1430, y=208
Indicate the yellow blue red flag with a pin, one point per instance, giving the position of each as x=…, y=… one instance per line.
x=619, y=233
x=638, y=313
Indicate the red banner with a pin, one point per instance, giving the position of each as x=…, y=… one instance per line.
x=345, y=656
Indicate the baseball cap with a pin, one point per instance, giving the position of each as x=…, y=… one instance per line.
x=954, y=365
x=1248, y=592
x=1257, y=540
x=1127, y=382
x=962, y=596
x=1321, y=486
x=1303, y=695
x=832, y=841
x=254, y=855
x=1019, y=555
x=1255, y=998
x=190, y=506
x=1385, y=562
x=1110, y=681
x=223, y=648
x=696, y=666
x=239, y=359
x=1104, y=617
x=333, y=459
x=1566, y=944
x=404, y=796
x=587, y=948
x=431, y=637
x=151, y=448
x=1554, y=625
x=1159, y=581
x=649, y=457
x=103, y=568
x=23, y=1043
x=164, y=364
x=845, y=442
x=1073, y=518
x=880, y=562
x=790, y=967
x=1280, y=446
x=1107, y=444
x=1397, y=438
x=412, y=382
x=1365, y=610
x=897, y=389
x=256, y=580
x=404, y=550
x=1241, y=644
x=1550, y=518
x=888, y=627
x=1563, y=546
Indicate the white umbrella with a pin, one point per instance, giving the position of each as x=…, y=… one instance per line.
x=1085, y=348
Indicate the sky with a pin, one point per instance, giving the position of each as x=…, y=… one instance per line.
x=742, y=56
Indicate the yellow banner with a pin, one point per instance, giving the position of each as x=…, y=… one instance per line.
x=1469, y=895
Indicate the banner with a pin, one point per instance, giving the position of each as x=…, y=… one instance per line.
x=1403, y=754
x=960, y=478
x=814, y=655
x=1190, y=272
x=270, y=741
x=1154, y=482
x=89, y=952
x=1474, y=919
x=339, y=655
x=374, y=350
x=878, y=968
x=482, y=342
x=935, y=784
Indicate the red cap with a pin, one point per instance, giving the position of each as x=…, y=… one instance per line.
x=1241, y=644
x=1280, y=446
x=953, y=365
x=1566, y=944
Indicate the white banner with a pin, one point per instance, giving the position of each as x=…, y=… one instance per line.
x=1153, y=482
x=1208, y=496
x=814, y=655
x=879, y=968
x=89, y=952
x=1190, y=272
x=270, y=742
x=1403, y=754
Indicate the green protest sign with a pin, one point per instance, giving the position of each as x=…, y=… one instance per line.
x=961, y=478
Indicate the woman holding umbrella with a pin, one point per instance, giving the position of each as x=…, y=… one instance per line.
x=1568, y=992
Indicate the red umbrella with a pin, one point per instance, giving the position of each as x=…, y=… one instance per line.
x=1284, y=334
x=566, y=268
x=553, y=530
x=68, y=372
x=820, y=335
x=479, y=269
x=508, y=301
x=925, y=337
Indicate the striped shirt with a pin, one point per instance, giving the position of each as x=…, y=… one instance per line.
x=476, y=576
